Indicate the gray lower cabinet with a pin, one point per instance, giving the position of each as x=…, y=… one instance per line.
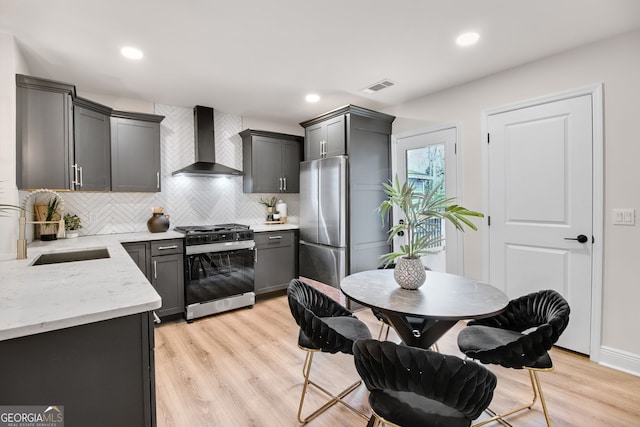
x=270, y=162
x=162, y=262
x=103, y=373
x=140, y=253
x=276, y=260
x=135, y=152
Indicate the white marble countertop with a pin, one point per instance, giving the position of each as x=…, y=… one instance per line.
x=35, y=299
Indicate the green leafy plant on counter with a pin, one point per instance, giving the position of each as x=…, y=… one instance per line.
x=269, y=203
x=52, y=208
x=72, y=222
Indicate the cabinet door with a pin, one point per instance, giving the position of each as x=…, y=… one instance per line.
x=43, y=137
x=267, y=165
x=276, y=260
x=92, y=149
x=335, y=137
x=139, y=252
x=167, y=277
x=314, y=137
x=291, y=166
x=135, y=155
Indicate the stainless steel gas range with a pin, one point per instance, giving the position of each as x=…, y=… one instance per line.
x=219, y=261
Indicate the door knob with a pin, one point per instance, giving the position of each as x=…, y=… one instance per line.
x=581, y=238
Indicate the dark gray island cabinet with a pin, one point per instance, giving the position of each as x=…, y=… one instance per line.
x=276, y=260
x=102, y=373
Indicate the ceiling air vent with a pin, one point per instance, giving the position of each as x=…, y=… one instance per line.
x=383, y=84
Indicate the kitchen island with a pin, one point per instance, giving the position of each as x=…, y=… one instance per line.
x=80, y=334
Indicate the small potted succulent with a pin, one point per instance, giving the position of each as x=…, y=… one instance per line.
x=50, y=219
x=271, y=208
x=417, y=209
x=72, y=224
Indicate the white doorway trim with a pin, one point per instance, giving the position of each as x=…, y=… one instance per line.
x=598, y=196
x=452, y=191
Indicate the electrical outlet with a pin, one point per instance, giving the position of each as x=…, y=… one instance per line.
x=624, y=217
x=93, y=217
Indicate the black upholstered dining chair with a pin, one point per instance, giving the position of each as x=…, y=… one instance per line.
x=410, y=386
x=325, y=326
x=519, y=338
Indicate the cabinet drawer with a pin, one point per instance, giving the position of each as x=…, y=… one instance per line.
x=274, y=239
x=166, y=247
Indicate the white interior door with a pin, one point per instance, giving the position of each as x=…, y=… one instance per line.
x=427, y=157
x=540, y=202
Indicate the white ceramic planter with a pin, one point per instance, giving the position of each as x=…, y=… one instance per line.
x=409, y=273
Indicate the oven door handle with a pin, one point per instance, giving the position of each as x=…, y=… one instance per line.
x=219, y=247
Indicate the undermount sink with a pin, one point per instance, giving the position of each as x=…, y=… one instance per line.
x=58, y=257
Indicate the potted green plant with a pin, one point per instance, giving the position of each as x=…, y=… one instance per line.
x=418, y=209
x=72, y=224
x=49, y=229
x=271, y=207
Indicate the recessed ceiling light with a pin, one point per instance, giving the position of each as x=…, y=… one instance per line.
x=131, y=52
x=467, y=39
x=312, y=97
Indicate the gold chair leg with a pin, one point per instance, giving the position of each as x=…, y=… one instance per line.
x=306, y=370
x=537, y=388
x=382, y=328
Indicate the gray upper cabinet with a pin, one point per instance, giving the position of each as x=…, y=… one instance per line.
x=92, y=146
x=271, y=162
x=325, y=138
x=135, y=152
x=65, y=142
x=44, y=122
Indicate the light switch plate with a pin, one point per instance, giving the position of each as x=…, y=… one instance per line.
x=624, y=217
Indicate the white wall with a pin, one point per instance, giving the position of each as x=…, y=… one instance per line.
x=12, y=62
x=615, y=63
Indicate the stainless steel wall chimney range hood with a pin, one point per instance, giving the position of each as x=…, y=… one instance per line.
x=205, y=150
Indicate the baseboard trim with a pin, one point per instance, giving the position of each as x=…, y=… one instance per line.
x=620, y=360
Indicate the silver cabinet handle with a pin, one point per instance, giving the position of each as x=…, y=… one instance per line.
x=158, y=180
x=81, y=180
x=156, y=319
x=75, y=174
x=275, y=237
x=255, y=255
x=162, y=248
x=285, y=184
x=155, y=269
x=280, y=180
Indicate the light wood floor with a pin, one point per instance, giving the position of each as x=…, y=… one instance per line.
x=243, y=368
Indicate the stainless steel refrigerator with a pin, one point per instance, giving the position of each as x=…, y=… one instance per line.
x=323, y=219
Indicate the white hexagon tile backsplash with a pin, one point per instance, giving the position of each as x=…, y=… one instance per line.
x=188, y=200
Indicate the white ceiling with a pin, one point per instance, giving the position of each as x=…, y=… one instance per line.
x=259, y=58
